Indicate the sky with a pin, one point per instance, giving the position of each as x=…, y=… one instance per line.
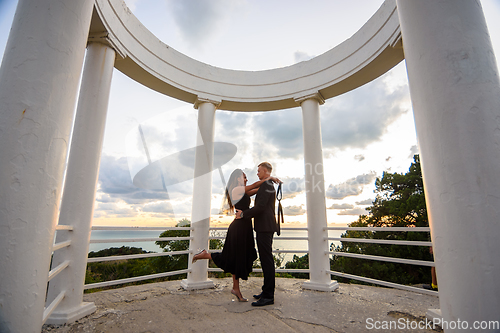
x=365, y=132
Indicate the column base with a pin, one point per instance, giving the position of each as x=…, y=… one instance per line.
x=332, y=286
x=434, y=314
x=191, y=285
x=72, y=315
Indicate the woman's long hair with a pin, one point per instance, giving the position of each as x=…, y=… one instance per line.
x=228, y=204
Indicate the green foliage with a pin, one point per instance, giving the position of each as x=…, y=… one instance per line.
x=117, y=269
x=400, y=199
x=278, y=263
x=173, y=262
x=116, y=251
x=299, y=263
x=121, y=269
x=278, y=259
x=400, y=202
x=178, y=262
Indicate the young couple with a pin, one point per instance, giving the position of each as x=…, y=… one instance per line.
x=239, y=253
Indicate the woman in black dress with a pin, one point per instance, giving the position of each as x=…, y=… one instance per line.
x=239, y=252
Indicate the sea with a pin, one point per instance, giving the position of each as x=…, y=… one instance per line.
x=278, y=243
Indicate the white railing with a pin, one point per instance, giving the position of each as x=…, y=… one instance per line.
x=381, y=258
x=55, y=271
x=47, y=311
x=135, y=279
x=137, y=256
x=58, y=246
x=131, y=240
x=278, y=270
x=286, y=251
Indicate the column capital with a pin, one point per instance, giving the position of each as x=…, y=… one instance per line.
x=315, y=95
x=201, y=100
x=106, y=39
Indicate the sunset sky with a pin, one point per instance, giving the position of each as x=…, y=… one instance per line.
x=365, y=131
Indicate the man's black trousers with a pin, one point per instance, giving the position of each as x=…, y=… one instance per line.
x=265, y=246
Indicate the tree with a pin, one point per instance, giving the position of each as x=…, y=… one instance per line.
x=400, y=199
x=121, y=269
x=178, y=262
x=400, y=202
x=298, y=263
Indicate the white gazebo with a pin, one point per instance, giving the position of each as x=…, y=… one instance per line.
x=454, y=87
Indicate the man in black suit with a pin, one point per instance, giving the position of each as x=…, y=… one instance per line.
x=265, y=226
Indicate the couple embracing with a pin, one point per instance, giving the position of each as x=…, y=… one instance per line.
x=239, y=253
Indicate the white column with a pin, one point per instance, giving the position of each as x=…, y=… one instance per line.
x=202, y=194
x=77, y=206
x=455, y=93
x=38, y=87
x=319, y=262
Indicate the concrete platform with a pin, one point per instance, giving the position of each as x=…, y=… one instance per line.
x=165, y=307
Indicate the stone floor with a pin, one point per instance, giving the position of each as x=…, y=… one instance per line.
x=166, y=307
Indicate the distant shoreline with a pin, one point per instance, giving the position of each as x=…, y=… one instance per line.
x=278, y=243
x=213, y=225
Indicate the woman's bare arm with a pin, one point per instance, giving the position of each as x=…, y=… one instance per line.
x=253, y=188
x=237, y=194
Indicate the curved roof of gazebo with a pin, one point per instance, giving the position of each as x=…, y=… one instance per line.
x=370, y=52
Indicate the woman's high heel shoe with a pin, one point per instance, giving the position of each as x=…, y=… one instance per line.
x=242, y=299
x=194, y=257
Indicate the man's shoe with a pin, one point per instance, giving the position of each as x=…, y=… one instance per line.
x=257, y=296
x=263, y=301
x=429, y=287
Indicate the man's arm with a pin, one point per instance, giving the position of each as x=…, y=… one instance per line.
x=254, y=188
x=265, y=193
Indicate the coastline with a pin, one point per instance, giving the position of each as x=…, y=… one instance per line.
x=299, y=245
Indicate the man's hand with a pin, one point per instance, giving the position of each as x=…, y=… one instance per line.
x=238, y=214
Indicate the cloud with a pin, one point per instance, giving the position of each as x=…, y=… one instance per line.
x=341, y=206
x=361, y=116
x=198, y=19
x=163, y=207
x=301, y=56
x=115, y=182
x=294, y=210
x=365, y=202
x=117, y=196
x=351, y=187
x=353, y=120
x=232, y=126
x=292, y=186
x=413, y=150
x=359, y=158
x=104, y=197
x=114, y=209
x=355, y=211
x=279, y=133
x=162, y=135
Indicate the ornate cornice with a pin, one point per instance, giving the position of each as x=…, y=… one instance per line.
x=315, y=95
x=106, y=39
x=201, y=100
